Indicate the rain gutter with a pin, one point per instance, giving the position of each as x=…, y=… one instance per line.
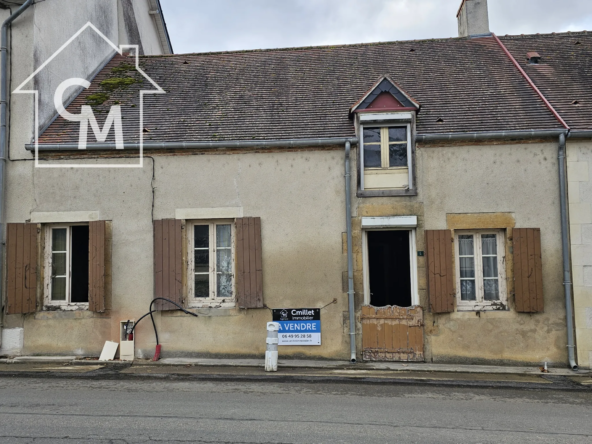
x=350, y=259
x=5, y=81
x=566, y=257
x=285, y=143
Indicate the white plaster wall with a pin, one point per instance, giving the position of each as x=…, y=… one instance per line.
x=579, y=176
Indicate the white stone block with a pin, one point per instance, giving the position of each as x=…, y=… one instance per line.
x=578, y=275
x=575, y=234
x=589, y=317
x=581, y=254
x=13, y=340
x=578, y=172
x=573, y=192
x=580, y=213
x=588, y=275
x=586, y=233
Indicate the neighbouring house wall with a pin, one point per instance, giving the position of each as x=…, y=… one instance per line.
x=579, y=176
x=518, y=185
x=82, y=59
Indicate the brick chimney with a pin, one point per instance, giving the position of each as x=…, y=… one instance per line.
x=473, y=18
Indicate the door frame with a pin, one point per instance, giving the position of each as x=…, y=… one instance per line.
x=412, y=262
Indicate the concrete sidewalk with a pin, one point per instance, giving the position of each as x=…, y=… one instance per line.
x=308, y=364
x=299, y=371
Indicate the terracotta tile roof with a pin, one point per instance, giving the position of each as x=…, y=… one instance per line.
x=564, y=73
x=462, y=84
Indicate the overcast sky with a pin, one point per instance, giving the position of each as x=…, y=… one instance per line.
x=224, y=25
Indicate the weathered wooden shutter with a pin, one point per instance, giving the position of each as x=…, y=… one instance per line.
x=528, y=270
x=21, y=253
x=439, y=267
x=249, y=272
x=99, y=249
x=168, y=263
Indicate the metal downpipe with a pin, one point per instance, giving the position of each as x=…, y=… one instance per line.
x=350, y=258
x=3, y=125
x=566, y=260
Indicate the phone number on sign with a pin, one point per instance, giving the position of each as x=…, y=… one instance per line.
x=295, y=336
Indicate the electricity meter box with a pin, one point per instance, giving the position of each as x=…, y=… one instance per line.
x=126, y=340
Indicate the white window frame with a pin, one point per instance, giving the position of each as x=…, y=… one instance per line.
x=480, y=304
x=48, y=262
x=213, y=300
x=409, y=149
x=412, y=262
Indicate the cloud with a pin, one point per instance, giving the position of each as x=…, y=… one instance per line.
x=223, y=25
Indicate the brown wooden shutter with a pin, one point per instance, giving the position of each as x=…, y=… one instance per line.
x=439, y=267
x=99, y=248
x=249, y=274
x=528, y=270
x=168, y=263
x=21, y=253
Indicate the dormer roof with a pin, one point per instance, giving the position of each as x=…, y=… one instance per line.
x=386, y=95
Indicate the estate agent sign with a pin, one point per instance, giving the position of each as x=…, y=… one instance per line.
x=298, y=326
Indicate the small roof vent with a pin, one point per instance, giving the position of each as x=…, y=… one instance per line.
x=533, y=58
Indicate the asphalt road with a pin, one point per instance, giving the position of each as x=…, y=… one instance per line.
x=150, y=411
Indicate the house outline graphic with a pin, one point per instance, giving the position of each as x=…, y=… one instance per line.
x=120, y=50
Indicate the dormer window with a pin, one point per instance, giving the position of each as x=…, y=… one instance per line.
x=386, y=118
x=386, y=154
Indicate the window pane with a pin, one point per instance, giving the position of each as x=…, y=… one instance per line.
x=372, y=158
x=489, y=244
x=201, y=236
x=58, y=239
x=202, y=286
x=224, y=261
x=201, y=261
x=58, y=289
x=398, y=155
x=58, y=264
x=490, y=267
x=467, y=267
x=398, y=134
x=465, y=245
x=371, y=135
x=224, y=285
x=491, y=289
x=223, y=236
x=467, y=291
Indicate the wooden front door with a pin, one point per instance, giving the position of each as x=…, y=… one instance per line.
x=392, y=333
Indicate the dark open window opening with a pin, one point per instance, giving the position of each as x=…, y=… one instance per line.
x=80, y=257
x=389, y=268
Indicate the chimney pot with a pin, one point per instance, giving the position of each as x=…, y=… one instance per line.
x=473, y=19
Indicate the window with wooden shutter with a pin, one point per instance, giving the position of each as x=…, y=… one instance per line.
x=99, y=249
x=439, y=267
x=528, y=270
x=168, y=263
x=21, y=253
x=249, y=274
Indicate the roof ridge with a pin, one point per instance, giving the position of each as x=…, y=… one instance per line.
x=305, y=48
x=547, y=34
